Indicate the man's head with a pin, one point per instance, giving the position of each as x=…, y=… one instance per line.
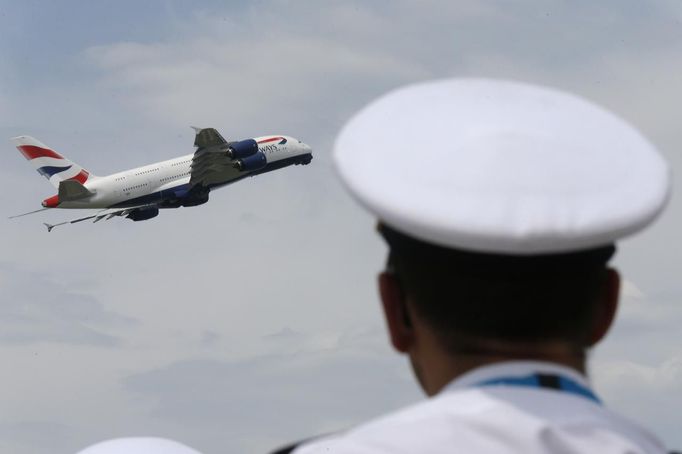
x=466, y=296
x=505, y=306
x=501, y=203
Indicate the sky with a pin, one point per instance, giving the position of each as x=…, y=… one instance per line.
x=253, y=320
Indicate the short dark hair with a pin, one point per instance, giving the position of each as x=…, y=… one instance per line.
x=466, y=296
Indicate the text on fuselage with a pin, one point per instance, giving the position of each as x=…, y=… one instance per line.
x=268, y=148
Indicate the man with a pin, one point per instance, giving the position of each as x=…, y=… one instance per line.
x=500, y=203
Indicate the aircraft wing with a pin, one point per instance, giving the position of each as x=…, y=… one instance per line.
x=102, y=214
x=210, y=164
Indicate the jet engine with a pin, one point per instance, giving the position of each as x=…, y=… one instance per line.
x=142, y=214
x=252, y=163
x=242, y=149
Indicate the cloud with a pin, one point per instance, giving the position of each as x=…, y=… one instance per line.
x=637, y=370
x=254, y=404
x=209, y=338
x=30, y=437
x=35, y=308
x=645, y=324
x=648, y=394
x=236, y=76
x=629, y=290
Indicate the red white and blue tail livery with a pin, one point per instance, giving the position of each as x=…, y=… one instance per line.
x=140, y=193
x=49, y=163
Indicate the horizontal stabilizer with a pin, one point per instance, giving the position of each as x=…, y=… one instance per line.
x=102, y=214
x=72, y=190
x=26, y=214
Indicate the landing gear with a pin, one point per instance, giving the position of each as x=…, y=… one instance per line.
x=198, y=195
x=305, y=161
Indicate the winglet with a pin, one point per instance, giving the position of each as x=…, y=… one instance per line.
x=197, y=132
x=49, y=226
x=208, y=137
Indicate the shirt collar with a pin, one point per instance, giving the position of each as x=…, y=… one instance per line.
x=509, y=369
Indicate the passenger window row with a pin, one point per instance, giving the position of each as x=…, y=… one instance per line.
x=174, y=177
x=135, y=187
x=147, y=171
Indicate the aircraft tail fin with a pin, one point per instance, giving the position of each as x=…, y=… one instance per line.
x=49, y=163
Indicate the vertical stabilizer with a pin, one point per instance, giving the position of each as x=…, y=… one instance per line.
x=49, y=163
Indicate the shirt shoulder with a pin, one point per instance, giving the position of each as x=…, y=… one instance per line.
x=406, y=428
x=500, y=421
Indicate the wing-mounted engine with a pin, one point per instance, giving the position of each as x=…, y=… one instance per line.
x=246, y=155
x=242, y=149
x=142, y=214
x=251, y=163
x=217, y=162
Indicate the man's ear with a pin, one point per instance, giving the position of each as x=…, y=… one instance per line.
x=607, y=307
x=397, y=319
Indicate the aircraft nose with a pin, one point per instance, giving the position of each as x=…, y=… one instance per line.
x=305, y=147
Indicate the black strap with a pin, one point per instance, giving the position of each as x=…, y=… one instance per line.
x=288, y=449
x=549, y=381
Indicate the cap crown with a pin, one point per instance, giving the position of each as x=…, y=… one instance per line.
x=500, y=166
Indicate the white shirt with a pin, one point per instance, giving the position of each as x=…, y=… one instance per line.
x=466, y=417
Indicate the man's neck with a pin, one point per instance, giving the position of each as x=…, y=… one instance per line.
x=436, y=368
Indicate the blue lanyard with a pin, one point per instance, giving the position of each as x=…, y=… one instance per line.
x=549, y=381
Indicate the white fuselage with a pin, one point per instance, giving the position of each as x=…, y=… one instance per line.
x=154, y=180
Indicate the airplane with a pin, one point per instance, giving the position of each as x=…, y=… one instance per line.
x=138, y=194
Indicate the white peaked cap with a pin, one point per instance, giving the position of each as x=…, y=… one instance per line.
x=501, y=167
x=139, y=445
